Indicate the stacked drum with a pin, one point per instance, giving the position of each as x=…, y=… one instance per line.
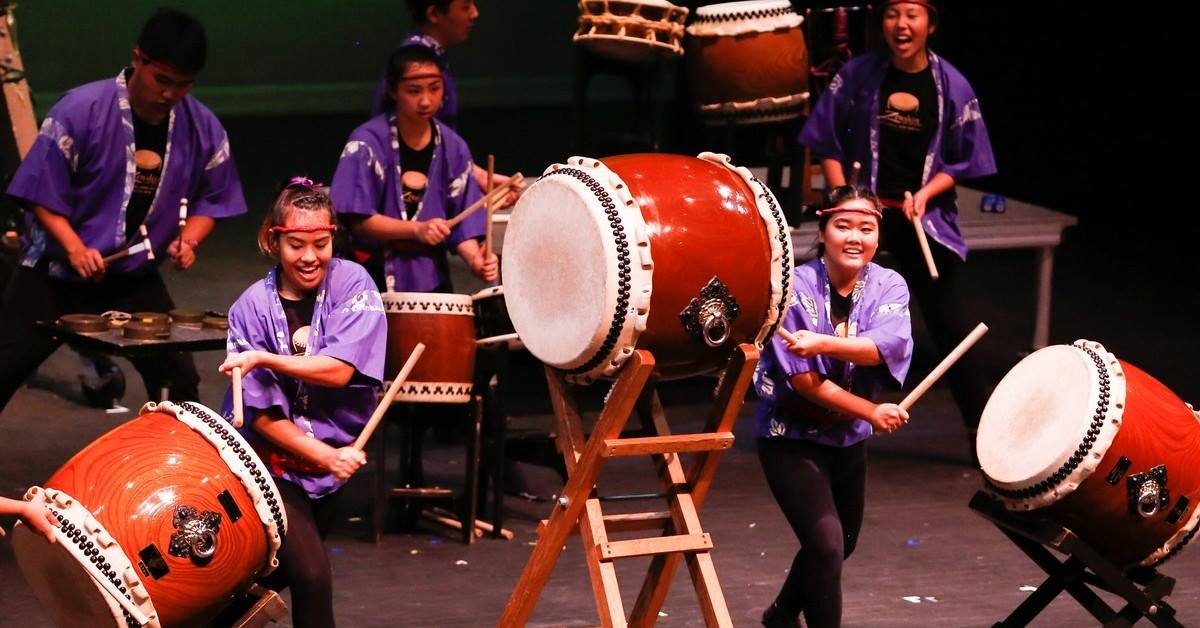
x=164, y=521
x=631, y=30
x=446, y=324
x=1078, y=436
x=747, y=62
x=684, y=256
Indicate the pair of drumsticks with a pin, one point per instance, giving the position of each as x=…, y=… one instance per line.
x=145, y=246
x=916, y=223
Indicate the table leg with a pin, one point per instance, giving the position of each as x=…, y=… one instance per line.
x=1041, y=326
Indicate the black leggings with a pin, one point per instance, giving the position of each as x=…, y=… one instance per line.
x=303, y=561
x=33, y=296
x=821, y=491
x=941, y=305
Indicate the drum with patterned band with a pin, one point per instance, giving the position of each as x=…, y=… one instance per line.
x=1093, y=443
x=446, y=324
x=747, y=62
x=165, y=520
x=684, y=256
x=631, y=30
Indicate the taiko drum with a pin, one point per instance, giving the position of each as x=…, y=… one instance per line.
x=1076, y=435
x=446, y=324
x=684, y=256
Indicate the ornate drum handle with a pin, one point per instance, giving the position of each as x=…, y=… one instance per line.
x=715, y=324
x=1147, y=501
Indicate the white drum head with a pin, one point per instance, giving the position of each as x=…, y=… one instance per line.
x=559, y=289
x=68, y=594
x=1037, y=416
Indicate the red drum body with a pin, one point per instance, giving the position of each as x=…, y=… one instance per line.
x=446, y=324
x=684, y=256
x=636, y=31
x=747, y=62
x=1091, y=442
x=172, y=509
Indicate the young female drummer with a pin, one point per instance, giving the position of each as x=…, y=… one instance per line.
x=403, y=174
x=852, y=332
x=913, y=122
x=309, y=338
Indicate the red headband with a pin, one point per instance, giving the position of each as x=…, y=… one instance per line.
x=843, y=208
x=417, y=77
x=928, y=5
x=304, y=229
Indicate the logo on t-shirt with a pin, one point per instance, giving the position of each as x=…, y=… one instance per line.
x=902, y=113
x=414, y=184
x=149, y=171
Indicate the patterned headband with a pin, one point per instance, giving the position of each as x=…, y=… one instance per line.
x=303, y=229
x=843, y=208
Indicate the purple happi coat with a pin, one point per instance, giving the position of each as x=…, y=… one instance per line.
x=382, y=101
x=879, y=311
x=368, y=181
x=82, y=167
x=845, y=126
x=348, y=324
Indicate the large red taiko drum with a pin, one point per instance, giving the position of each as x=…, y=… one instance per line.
x=1075, y=435
x=747, y=62
x=165, y=520
x=684, y=256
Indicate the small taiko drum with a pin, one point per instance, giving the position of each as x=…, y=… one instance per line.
x=747, y=62
x=493, y=326
x=631, y=30
x=684, y=256
x=165, y=520
x=1075, y=435
x=446, y=324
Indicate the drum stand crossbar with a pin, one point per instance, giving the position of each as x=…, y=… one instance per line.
x=578, y=509
x=1084, y=570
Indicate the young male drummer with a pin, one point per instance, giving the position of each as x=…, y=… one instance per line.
x=114, y=156
x=402, y=175
x=440, y=24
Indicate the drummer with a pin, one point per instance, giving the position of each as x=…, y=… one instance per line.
x=308, y=338
x=34, y=515
x=817, y=407
x=99, y=171
x=402, y=175
x=913, y=122
x=440, y=24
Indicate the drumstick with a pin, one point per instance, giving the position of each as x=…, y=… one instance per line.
x=238, y=412
x=144, y=245
x=487, y=240
x=788, y=336
x=944, y=366
x=183, y=209
x=496, y=193
x=388, y=397
x=853, y=180
x=916, y=221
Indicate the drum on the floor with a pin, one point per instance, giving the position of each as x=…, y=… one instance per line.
x=684, y=256
x=164, y=520
x=631, y=30
x=1076, y=435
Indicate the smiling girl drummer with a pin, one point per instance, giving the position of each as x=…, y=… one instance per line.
x=308, y=340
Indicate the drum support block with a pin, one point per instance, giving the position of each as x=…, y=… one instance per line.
x=1085, y=569
x=578, y=510
x=269, y=609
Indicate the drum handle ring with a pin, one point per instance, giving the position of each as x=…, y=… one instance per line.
x=1148, y=492
x=716, y=328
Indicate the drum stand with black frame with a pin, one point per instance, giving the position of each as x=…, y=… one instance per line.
x=1142, y=589
x=411, y=474
x=578, y=509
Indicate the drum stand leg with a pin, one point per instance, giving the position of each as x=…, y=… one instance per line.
x=579, y=510
x=269, y=608
x=1084, y=569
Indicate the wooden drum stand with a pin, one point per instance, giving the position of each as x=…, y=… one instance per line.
x=681, y=536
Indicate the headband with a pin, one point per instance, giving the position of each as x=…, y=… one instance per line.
x=423, y=75
x=928, y=5
x=858, y=210
x=160, y=65
x=304, y=229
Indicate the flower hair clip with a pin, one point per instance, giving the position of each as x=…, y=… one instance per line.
x=303, y=182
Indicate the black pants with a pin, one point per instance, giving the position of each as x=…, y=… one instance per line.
x=821, y=491
x=941, y=303
x=303, y=561
x=33, y=296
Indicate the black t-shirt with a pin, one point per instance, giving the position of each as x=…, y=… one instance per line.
x=150, y=146
x=907, y=121
x=299, y=316
x=414, y=177
x=839, y=310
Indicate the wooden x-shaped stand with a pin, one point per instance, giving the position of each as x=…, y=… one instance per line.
x=681, y=536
